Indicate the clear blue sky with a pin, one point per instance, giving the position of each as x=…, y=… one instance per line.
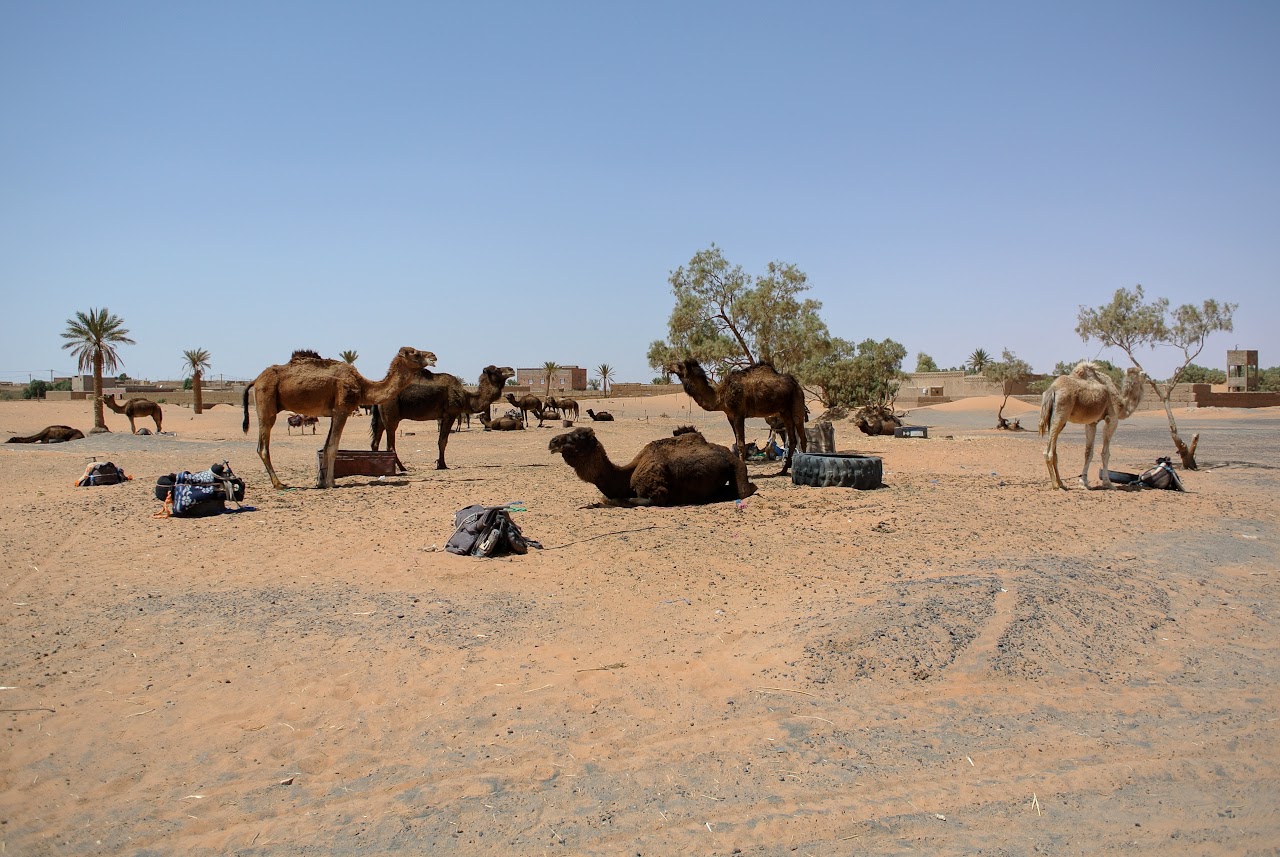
x=513, y=182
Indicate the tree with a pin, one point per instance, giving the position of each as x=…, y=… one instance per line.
x=724, y=318
x=867, y=375
x=36, y=389
x=593, y=384
x=550, y=369
x=196, y=360
x=924, y=363
x=605, y=371
x=1128, y=323
x=1195, y=374
x=1008, y=372
x=978, y=361
x=1269, y=379
x=349, y=356
x=92, y=338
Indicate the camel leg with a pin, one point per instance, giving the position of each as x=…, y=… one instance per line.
x=1107, y=431
x=739, y=426
x=445, y=426
x=156, y=417
x=1051, y=453
x=132, y=430
x=331, y=442
x=741, y=481
x=391, y=428
x=265, y=422
x=1090, y=435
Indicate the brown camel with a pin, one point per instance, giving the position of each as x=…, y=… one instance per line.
x=876, y=421
x=503, y=423
x=759, y=390
x=50, y=434
x=298, y=421
x=436, y=396
x=135, y=408
x=601, y=417
x=313, y=386
x=675, y=471
x=565, y=406
x=528, y=402
x=1087, y=396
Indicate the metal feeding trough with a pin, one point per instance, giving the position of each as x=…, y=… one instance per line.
x=911, y=431
x=354, y=462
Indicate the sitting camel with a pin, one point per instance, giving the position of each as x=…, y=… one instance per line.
x=759, y=390
x=50, y=434
x=313, y=386
x=602, y=417
x=501, y=423
x=134, y=408
x=1087, y=396
x=526, y=403
x=675, y=471
x=876, y=421
x=436, y=396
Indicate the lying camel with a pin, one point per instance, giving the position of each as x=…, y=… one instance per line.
x=51, y=434
x=501, y=423
x=680, y=470
x=602, y=417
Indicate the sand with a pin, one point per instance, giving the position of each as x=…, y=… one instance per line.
x=962, y=662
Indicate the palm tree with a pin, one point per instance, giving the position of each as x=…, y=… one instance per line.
x=197, y=361
x=92, y=338
x=550, y=368
x=605, y=371
x=349, y=356
x=978, y=361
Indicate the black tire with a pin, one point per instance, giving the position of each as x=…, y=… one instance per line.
x=826, y=470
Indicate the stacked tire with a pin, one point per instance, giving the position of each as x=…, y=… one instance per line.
x=827, y=470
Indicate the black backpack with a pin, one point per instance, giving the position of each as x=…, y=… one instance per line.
x=198, y=495
x=102, y=473
x=486, y=531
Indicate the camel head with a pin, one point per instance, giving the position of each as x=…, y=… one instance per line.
x=575, y=445
x=498, y=376
x=415, y=358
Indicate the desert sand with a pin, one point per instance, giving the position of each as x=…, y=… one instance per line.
x=965, y=661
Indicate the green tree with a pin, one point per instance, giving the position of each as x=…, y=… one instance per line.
x=36, y=389
x=349, y=356
x=1195, y=374
x=867, y=375
x=725, y=318
x=1128, y=323
x=550, y=368
x=92, y=338
x=593, y=384
x=924, y=363
x=978, y=361
x=1007, y=372
x=1269, y=379
x=605, y=371
x=196, y=361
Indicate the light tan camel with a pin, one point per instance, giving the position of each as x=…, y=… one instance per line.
x=313, y=386
x=1087, y=396
x=134, y=408
x=759, y=390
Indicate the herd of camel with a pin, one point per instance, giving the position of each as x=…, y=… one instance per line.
x=681, y=469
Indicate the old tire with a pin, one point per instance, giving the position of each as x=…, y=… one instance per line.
x=827, y=470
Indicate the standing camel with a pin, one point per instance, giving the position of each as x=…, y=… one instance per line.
x=135, y=408
x=759, y=390
x=528, y=402
x=1087, y=396
x=313, y=386
x=439, y=396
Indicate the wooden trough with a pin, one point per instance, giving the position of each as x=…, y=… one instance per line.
x=354, y=462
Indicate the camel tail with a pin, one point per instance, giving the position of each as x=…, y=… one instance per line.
x=1046, y=410
x=244, y=427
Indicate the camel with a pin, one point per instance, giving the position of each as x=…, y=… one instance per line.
x=528, y=402
x=436, y=396
x=134, y=408
x=1087, y=396
x=50, y=434
x=876, y=421
x=564, y=405
x=313, y=386
x=602, y=417
x=503, y=423
x=681, y=470
x=759, y=390
x=298, y=421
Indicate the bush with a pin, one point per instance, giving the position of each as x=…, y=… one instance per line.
x=35, y=390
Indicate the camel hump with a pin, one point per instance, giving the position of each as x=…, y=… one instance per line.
x=304, y=354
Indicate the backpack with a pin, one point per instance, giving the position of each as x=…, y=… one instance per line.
x=1161, y=476
x=102, y=473
x=487, y=531
x=198, y=495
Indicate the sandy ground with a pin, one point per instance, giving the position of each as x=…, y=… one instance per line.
x=963, y=662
